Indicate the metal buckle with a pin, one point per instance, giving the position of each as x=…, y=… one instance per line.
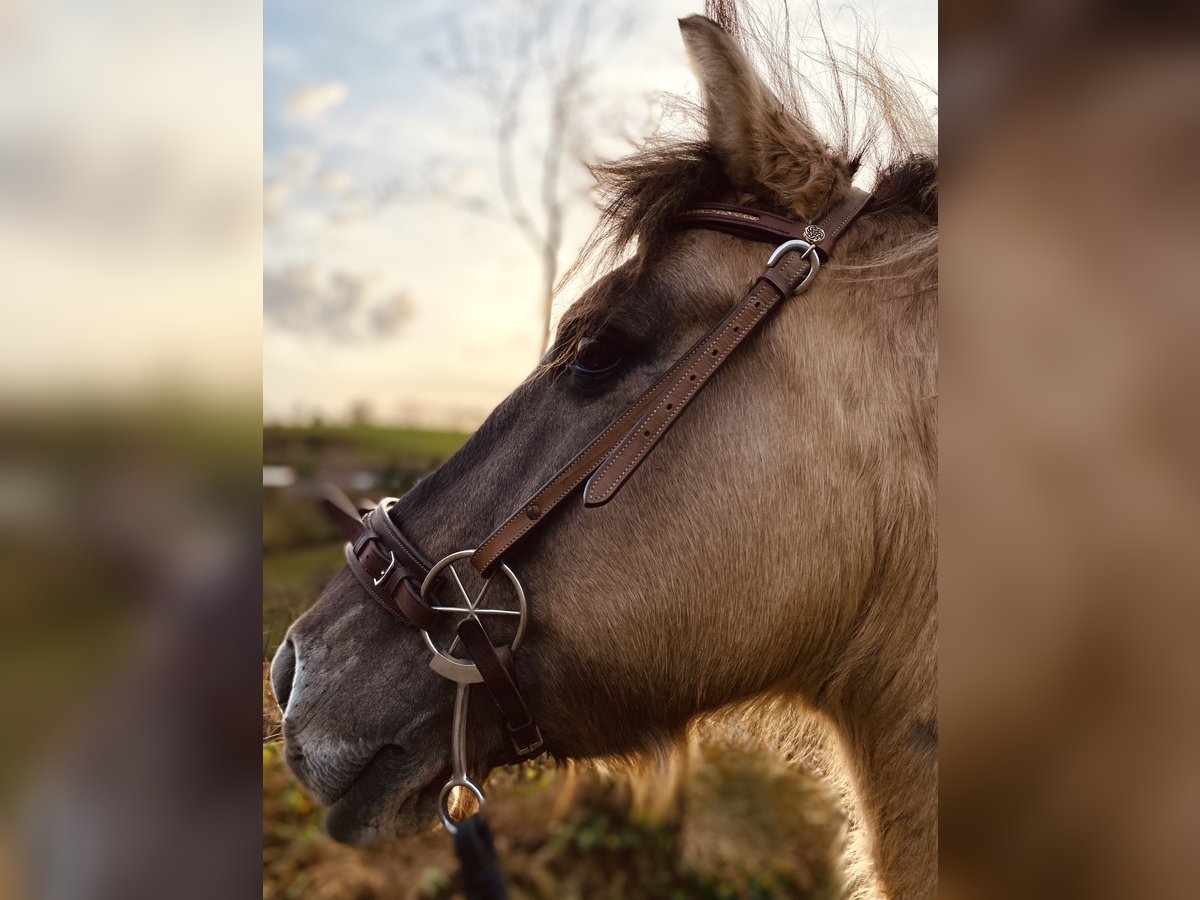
x=807, y=250
x=388, y=571
x=536, y=745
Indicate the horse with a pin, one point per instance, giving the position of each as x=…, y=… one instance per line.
x=779, y=544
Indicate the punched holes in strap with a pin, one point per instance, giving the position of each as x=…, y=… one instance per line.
x=745, y=222
x=726, y=336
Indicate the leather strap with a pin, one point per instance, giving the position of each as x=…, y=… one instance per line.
x=495, y=664
x=391, y=570
x=608, y=461
x=774, y=285
x=560, y=486
x=759, y=225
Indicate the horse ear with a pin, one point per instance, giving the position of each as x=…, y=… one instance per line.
x=762, y=145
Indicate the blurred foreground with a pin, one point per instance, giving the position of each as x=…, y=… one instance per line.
x=743, y=825
x=129, y=555
x=130, y=412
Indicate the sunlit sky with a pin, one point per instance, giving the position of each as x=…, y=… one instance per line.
x=378, y=292
x=129, y=200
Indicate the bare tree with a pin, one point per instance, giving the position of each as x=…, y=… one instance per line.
x=535, y=73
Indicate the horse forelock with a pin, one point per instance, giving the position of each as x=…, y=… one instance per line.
x=871, y=115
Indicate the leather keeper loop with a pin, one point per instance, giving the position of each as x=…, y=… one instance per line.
x=361, y=542
x=771, y=277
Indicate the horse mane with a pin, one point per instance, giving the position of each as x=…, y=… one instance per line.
x=875, y=113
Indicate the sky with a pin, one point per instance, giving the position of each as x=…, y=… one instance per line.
x=130, y=178
x=381, y=292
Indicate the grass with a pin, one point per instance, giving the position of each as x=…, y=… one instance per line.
x=570, y=833
x=297, y=568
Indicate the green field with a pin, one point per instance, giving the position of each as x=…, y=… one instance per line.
x=373, y=446
x=301, y=549
x=292, y=579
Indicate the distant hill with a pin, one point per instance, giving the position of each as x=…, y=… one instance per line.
x=370, y=446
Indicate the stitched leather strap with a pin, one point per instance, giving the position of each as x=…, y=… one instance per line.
x=560, y=486
x=615, y=453
x=496, y=666
x=391, y=570
x=773, y=286
x=759, y=225
x=385, y=563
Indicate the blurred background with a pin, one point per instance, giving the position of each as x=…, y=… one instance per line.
x=130, y=367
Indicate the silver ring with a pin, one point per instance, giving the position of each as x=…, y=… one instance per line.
x=444, y=801
x=806, y=250
x=457, y=665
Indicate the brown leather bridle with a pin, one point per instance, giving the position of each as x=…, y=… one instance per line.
x=393, y=571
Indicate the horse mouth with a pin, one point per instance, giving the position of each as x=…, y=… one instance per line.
x=388, y=798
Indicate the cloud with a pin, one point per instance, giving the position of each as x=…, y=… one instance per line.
x=301, y=161
x=336, y=180
x=312, y=101
x=342, y=307
x=351, y=209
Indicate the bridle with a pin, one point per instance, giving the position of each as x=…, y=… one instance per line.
x=393, y=571
x=398, y=577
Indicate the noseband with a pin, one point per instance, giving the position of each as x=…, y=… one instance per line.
x=393, y=571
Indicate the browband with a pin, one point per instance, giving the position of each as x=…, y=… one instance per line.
x=759, y=225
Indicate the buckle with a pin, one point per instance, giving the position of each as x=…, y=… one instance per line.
x=806, y=250
x=804, y=247
x=388, y=571
x=536, y=745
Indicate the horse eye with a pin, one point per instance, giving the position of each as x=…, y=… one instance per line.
x=595, y=357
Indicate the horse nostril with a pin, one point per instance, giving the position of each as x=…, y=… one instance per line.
x=283, y=673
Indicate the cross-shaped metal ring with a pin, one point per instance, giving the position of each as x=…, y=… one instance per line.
x=445, y=663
